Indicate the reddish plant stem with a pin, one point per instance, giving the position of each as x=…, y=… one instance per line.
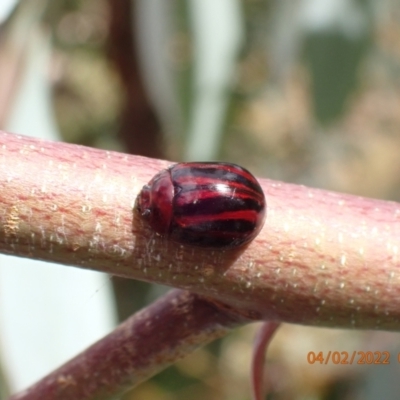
x=322, y=258
x=261, y=342
x=143, y=345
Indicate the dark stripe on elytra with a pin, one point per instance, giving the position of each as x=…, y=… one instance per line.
x=210, y=241
x=231, y=179
x=214, y=206
x=218, y=173
x=214, y=186
x=219, y=167
x=205, y=191
x=233, y=228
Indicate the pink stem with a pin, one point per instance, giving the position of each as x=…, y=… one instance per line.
x=262, y=340
x=322, y=258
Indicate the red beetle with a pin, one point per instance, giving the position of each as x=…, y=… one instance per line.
x=206, y=204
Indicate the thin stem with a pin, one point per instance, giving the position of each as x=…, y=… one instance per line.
x=261, y=342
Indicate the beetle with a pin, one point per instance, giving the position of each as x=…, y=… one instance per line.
x=207, y=204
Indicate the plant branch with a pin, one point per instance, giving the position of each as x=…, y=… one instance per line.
x=322, y=258
x=143, y=345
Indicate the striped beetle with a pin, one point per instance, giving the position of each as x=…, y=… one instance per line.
x=207, y=204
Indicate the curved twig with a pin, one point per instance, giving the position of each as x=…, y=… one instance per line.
x=261, y=342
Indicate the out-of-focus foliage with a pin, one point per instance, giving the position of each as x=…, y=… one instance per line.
x=334, y=50
x=334, y=61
